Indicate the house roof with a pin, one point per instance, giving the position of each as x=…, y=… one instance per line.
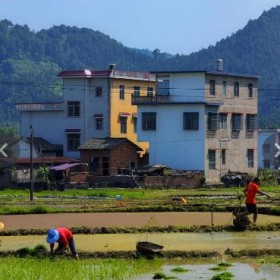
x=105, y=144
x=217, y=73
x=107, y=73
x=38, y=160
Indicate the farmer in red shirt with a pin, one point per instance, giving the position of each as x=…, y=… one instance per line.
x=64, y=237
x=253, y=188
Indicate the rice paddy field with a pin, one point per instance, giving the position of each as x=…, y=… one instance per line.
x=260, y=263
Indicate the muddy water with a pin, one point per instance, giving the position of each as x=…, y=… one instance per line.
x=240, y=271
x=218, y=241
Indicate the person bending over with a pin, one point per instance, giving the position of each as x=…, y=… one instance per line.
x=64, y=237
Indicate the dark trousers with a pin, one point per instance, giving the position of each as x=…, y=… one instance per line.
x=71, y=244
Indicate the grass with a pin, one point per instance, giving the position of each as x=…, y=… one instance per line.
x=55, y=269
x=140, y=200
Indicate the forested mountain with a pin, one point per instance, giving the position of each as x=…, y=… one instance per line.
x=30, y=61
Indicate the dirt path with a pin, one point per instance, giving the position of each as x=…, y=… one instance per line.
x=45, y=221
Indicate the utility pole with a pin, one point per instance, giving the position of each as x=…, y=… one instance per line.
x=31, y=164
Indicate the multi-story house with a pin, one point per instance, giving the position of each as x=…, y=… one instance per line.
x=97, y=104
x=201, y=120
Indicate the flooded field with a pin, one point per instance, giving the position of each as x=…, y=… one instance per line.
x=238, y=270
x=215, y=241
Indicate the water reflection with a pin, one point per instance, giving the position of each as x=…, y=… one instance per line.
x=240, y=271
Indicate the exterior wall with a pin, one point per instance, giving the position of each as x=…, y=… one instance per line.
x=47, y=124
x=118, y=105
x=120, y=157
x=170, y=144
x=179, y=149
x=186, y=88
x=52, y=125
x=239, y=143
x=267, y=150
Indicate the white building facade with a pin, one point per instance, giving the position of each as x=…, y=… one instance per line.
x=201, y=120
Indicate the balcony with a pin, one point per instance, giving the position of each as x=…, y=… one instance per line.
x=155, y=99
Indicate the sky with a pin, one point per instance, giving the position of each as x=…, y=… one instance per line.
x=172, y=26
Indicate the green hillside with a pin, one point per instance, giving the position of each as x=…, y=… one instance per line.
x=30, y=61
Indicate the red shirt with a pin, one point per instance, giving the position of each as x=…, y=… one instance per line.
x=251, y=191
x=65, y=235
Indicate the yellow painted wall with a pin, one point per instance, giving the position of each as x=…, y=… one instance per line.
x=118, y=105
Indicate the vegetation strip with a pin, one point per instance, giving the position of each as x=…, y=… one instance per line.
x=42, y=252
x=155, y=229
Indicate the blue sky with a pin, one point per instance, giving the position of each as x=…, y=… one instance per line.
x=173, y=26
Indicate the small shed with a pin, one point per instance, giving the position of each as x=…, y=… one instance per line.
x=109, y=156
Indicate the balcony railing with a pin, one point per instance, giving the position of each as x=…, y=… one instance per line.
x=136, y=100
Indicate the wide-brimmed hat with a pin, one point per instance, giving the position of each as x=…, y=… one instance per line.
x=53, y=235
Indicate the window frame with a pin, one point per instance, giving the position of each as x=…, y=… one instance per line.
x=236, y=122
x=149, y=121
x=251, y=124
x=211, y=159
x=98, y=91
x=212, y=121
x=224, y=88
x=223, y=121
x=122, y=92
x=191, y=121
x=236, y=89
x=123, y=125
x=136, y=91
x=250, y=90
x=150, y=91
x=74, y=143
x=73, y=109
x=250, y=157
x=212, y=87
x=98, y=123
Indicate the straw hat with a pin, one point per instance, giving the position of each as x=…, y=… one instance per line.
x=53, y=236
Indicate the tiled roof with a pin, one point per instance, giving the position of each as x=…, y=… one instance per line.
x=105, y=144
x=38, y=160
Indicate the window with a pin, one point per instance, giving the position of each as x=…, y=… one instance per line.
x=98, y=91
x=212, y=121
x=98, y=123
x=134, y=119
x=212, y=87
x=123, y=122
x=250, y=155
x=250, y=90
x=136, y=91
x=93, y=163
x=236, y=122
x=212, y=159
x=224, y=90
x=122, y=92
x=251, y=122
x=73, y=141
x=73, y=108
x=149, y=121
x=223, y=121
x=236, y=89
x=163, y=86
x=150, y=91
x=105, y=166
x=223, y=155
x=190, y=121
